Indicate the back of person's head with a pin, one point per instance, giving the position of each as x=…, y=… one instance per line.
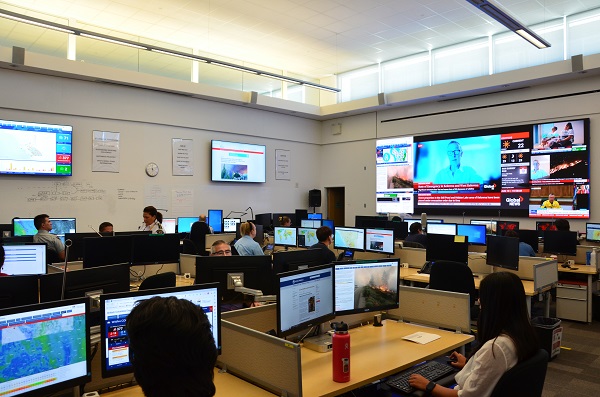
x=202, y=218
x=569, y=126
x=504, y=311
x=285, y=220
x=415, y=228
x=159, y=216
x=172, y=349
x=246, y=228
x=39, y=219
x=562, y=224
x=323, y=233
x=103, y=226
x=511, y=233
x=151, y=211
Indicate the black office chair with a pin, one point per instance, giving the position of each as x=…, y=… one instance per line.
x=189, y=247
x=454, y=277
x=52, y=256
x=198, y=234
x=525, y=379
x=412, y=244
x=162, y=280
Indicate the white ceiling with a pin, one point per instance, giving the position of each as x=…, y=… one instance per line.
x=312, y=38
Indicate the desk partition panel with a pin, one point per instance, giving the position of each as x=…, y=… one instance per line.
x=415, y=257
x=260, y=318
x=448, y=310
x=545, y=274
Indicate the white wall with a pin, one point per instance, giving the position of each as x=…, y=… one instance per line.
x=147, y=121
x=355, y=147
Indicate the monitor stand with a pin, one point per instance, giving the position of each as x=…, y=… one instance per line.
x=320, y=343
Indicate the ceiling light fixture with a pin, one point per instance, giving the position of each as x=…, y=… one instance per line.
x=510, y=22
x=165, y=51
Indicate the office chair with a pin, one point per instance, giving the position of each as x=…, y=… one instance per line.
x=412, y=244
x=189, y=247
x=51, y=256
x=525, y=379
x=198, y=234
x=454, y=277
x=162, y=280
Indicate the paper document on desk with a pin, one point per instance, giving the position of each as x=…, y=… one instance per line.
x=421, y=337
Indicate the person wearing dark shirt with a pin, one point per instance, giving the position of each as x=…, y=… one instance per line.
x=524, y=248
x=416, y=234
x=198, y=233
x=325, y=237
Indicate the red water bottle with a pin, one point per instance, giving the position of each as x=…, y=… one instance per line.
x=341, y=352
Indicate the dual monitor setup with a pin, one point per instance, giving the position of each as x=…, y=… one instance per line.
x=65, y=324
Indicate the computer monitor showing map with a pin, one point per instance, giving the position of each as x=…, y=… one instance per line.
x=116, y=307
x=307, y=237
x=229, y=224
x=349, y=238
x=23, y=259
x=60, y=226
x=45, y=348
x=362, y=286
x=380, y=240
x=592, y=232
x=285, y=236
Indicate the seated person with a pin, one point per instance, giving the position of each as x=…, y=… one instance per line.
x=416, y=235
x=551, y=202
x=198, y=232
x=324, y=235
x=2, y=261
x=505, y=338
x=286, y=221
x=246, y=245
x=43, y=224
x=220, y=248
x=524, y=248
x=106, y=227
x=182, y=367
x=563, y=225
x=151, y=222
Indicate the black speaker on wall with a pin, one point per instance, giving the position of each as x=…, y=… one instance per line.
x=314, y=198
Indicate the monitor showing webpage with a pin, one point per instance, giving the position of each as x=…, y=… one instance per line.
x=22, y=259
x=394, y=175
x=379, y=240
x=169, y=225
x=238, y=162
x=316, y=223
x=442, y=228
x=116, y=307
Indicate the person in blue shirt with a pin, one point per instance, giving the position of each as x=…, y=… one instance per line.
x=416, y=234
x=246, y=245
x=524, y=248
x=456, y=172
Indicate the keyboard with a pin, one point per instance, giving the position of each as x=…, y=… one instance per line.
x=431, y=370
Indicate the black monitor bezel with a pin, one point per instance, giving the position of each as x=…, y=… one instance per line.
x=493, y=229
x=298, y=235
x=550, y=242
x=123, y=242
x=526, y=236
x=369, y=309
x=512, y=262
x=282, y=259
x=472, y=224
x=285, y=227
x=341, y=247
x=220, y=230
x=586, y=231
x=29, y=244
x=392, y=252
x=140, y=257
x=24, y=287
x=434, y=241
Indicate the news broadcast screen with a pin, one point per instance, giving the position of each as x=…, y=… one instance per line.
x=540, y=171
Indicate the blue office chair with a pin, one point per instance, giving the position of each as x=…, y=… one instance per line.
x=525, y=379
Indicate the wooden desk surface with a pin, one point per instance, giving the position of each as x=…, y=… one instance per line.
x=227, y=385
x=579, y=269
x=375, y=352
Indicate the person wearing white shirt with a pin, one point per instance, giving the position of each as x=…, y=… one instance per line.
x=151, y=223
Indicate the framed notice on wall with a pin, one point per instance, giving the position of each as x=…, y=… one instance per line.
x=283, y=160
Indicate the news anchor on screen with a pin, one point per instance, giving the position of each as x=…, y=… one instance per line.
x=456, y=172
x=551, y=203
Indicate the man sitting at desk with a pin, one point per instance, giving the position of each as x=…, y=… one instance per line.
x=551, y=203
x=524, y=248
x=171, y=348
x=324, y=235
x=43, y=224
x=416, y=234
x=220, y=248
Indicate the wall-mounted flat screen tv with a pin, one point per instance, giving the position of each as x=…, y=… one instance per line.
x=238, y=162
x=35, y=148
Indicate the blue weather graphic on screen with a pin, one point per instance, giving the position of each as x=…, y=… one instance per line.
x=236, y=172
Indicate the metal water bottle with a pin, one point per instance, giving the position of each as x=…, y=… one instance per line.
x=341, y=352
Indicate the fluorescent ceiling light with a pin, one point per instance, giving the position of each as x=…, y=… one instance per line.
x=176, y=54
x=35, y=22
x=234, y=67
x=510, y=22
x=114, y=41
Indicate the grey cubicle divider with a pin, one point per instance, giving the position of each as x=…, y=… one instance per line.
x=443, y=309
x=211, y=238
x=187, y=264
x=260, y=318
x=545, y=274
x=415, y=257
x=268, y=361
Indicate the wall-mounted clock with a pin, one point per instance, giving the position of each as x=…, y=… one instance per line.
x=152, y=169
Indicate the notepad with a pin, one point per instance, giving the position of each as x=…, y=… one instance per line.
x=421, y=337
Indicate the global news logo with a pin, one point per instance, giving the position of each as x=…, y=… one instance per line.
x=491, y=187
x=514, y=202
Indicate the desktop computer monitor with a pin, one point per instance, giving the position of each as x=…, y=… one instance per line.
x=23, y=227
x=307, y=237
x=328, y=223
x=380, y=240
x=155, y=249
x=76, y=248
x=49, y=346
x=263, y=219
x=300, y=214
x=362, y=286
x=169, y=225
x=349, y=238
x=490, y=226
x=313, y=223
x=215, y=220
x=102, y=251
x=24, y=259
x=230, y=224
x=444, y=247
x=542, y=226
x=316, y=215
x=503, y=226
x=592, y=232
x=116, y=307
x=475, y=233
x=18, y=291
x=503, y=252
x=372, y=221
x=305, y=298
x=441, y=228
x=278, y=218
x=255, y=270
x=560, y=242
x=400, y=229
x=184, y=223
x=60, y=226
x=286, y=261
x=529, y=237
x=285, y=236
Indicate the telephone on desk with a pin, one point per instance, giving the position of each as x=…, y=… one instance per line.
x=426, y=269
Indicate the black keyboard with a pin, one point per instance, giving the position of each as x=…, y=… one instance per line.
x=431, y=370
